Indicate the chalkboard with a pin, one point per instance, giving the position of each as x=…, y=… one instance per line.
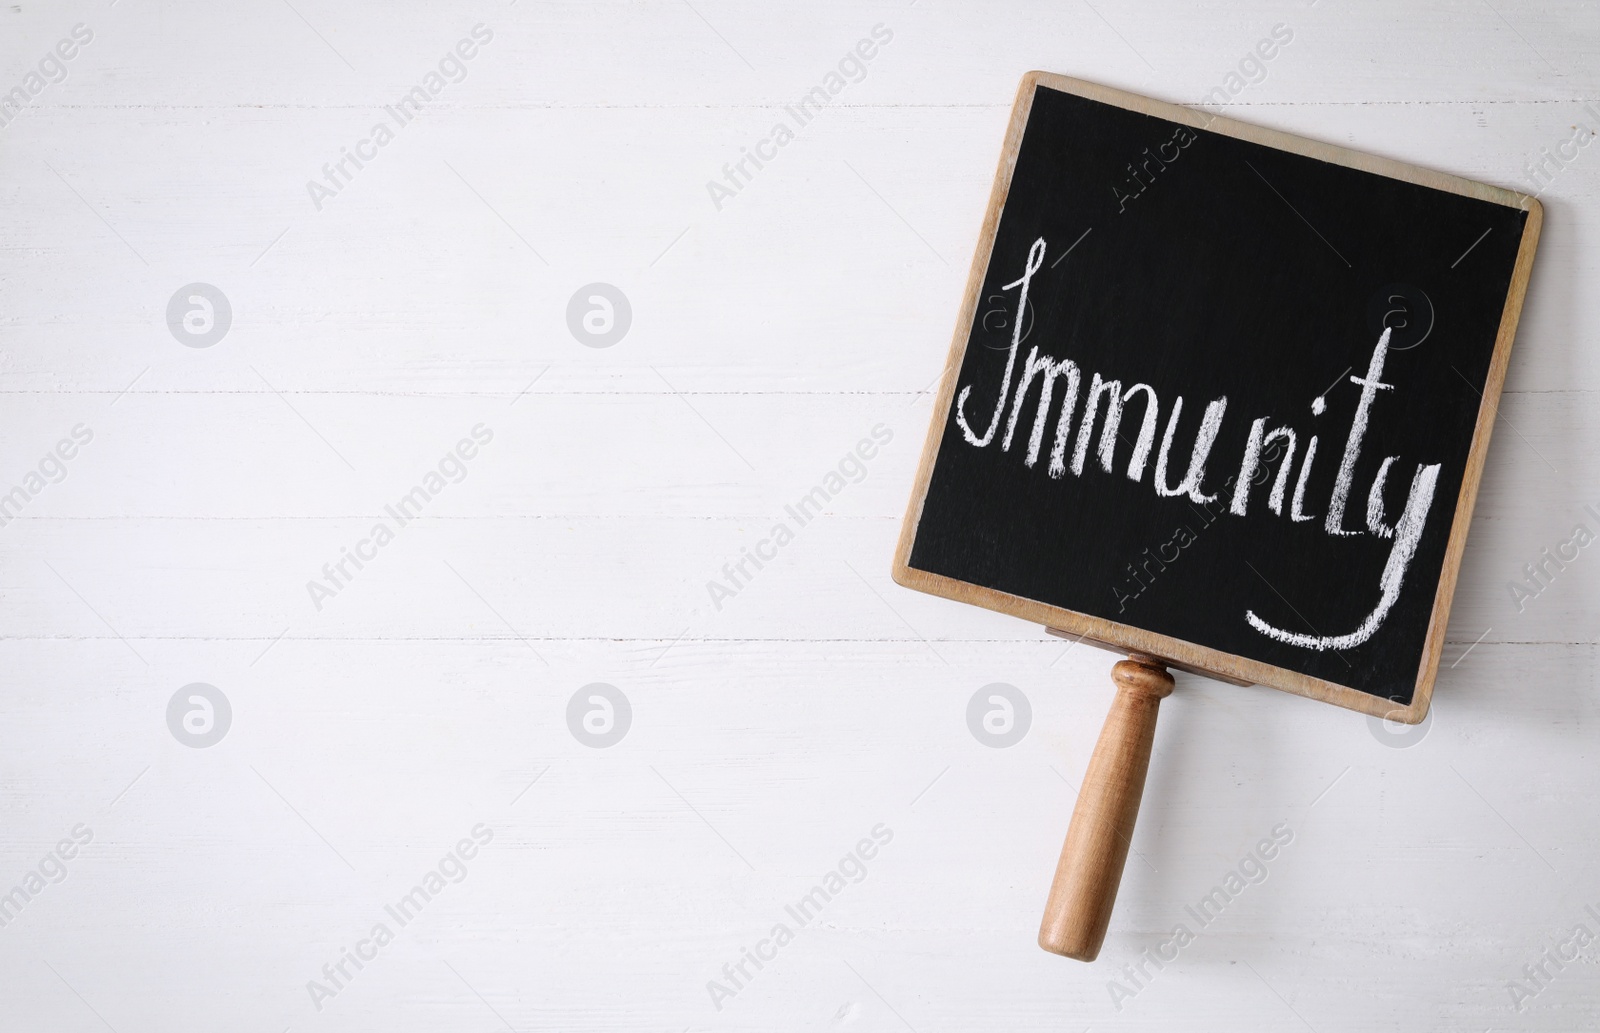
x=1220, y=395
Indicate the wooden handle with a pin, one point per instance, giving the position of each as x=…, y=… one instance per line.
x=1090, y=869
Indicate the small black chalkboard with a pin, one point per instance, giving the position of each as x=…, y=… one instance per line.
x=1221, y=396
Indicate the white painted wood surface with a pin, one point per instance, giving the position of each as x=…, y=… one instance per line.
x=771, y=735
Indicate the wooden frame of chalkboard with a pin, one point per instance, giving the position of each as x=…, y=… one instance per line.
x=1178, y=652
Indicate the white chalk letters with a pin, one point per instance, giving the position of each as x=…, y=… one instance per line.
x=1263, y=445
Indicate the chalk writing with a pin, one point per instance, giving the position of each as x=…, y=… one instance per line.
x=1263, y=445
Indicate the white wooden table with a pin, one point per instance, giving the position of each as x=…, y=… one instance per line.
x=371, y=726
